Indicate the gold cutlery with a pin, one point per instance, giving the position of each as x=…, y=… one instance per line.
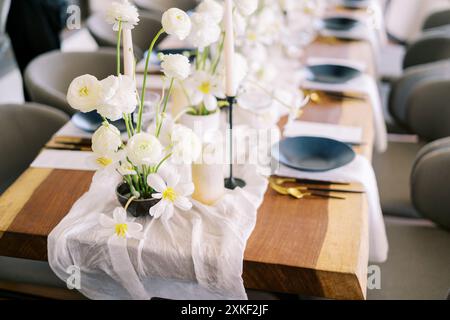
x=70, y=147
x=315, y=95
x=72, y=140
x=294, y=192
x=280, y=181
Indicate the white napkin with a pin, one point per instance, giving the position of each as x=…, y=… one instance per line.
x=362, y=84
x=70, y=130
x=344, y=134
x=359, y=170
x=64, y=159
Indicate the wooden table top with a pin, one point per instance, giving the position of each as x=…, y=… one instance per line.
x=314, y=247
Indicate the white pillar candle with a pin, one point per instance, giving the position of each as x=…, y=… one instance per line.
x=207, y=177
x=231, y=87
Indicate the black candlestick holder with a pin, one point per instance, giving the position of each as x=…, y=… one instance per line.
x=231, y=182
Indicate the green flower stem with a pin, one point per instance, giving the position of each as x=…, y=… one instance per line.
x=205, y=57
x=119, y=35
x=166, y=100
x=127, y=125
x=197, y=60
x=162, y=161
x=144, y=84
x=219, y=54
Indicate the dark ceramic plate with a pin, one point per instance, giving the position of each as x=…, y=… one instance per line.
x=91, y=121
x=340, y=23
x=331, y=73
x=313, y=154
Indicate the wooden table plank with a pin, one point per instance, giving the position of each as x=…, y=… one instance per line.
x=311, y=247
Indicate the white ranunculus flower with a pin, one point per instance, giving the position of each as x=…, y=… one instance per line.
x=176, y=22
x=122, y=11
x=172, y=193
x=186, y=145
x=144, y=149
x=246, y=7
x=212, y=8
x=106, y=140
x=84, y=93
x=119, y=96
x=175, y=66
x=118, y=226
x=205, y=31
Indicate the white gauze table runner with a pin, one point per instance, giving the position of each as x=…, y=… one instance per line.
x=196, y=255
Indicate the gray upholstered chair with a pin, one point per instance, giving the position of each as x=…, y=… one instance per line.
x=431, y=46
x=419, y=259
x=420, y=103
x=437, y=19
x=25, y=130
x=48, y=77
x=159, y=6
x=143, y=33
x=427, y=81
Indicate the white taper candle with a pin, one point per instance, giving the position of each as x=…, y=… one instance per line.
x=230, y=88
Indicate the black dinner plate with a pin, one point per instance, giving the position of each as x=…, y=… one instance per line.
x=331, y=73
x=314, y=154
x=91, y=121
x=340, y=23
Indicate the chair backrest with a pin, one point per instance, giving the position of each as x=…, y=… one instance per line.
x=418, y=100
x=48, y=77
x=143, y=33
x=429, y=108
x=430, y=182
x=437, y=19
x=431, y=46
x=24, y=131
x=4, y=9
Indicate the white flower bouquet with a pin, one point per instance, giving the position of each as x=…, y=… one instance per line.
x=150, y=185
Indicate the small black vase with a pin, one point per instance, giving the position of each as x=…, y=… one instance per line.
x=138, y=207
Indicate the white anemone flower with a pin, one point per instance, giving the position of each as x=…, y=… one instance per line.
x=172, y=193
x=85, y=93
x=205, y=89
x=119, y=227
x=122, y=11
